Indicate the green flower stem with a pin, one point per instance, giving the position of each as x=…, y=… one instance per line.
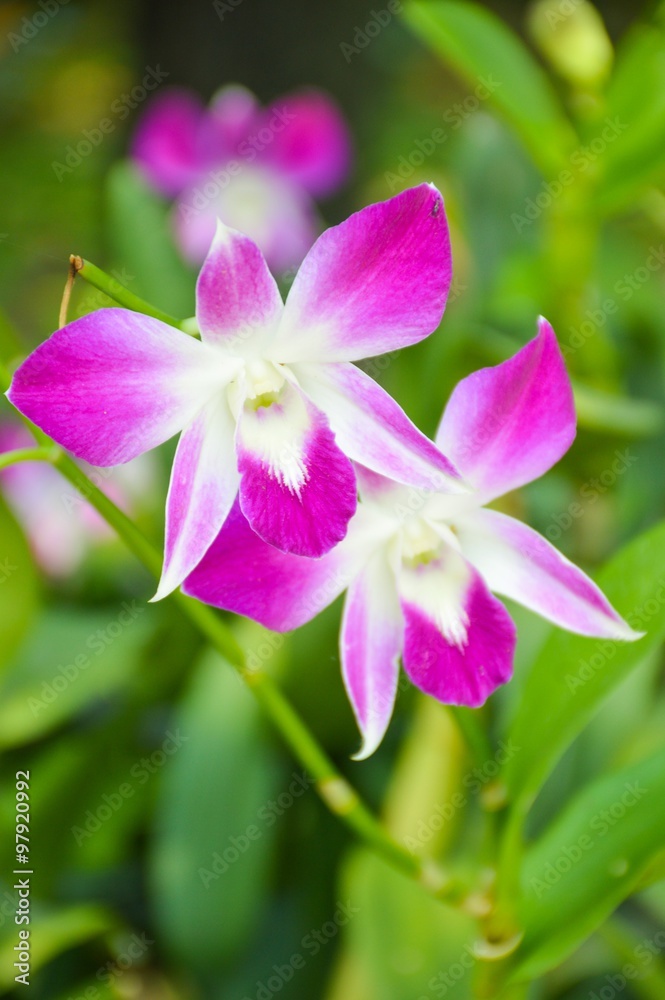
x=117, y=291
x=334, y=790
x=44, y=454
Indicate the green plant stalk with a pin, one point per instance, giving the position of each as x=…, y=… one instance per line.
x=115, y=290
x=334, y=790
x=43, y=454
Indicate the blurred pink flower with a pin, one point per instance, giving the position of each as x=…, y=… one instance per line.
x=59, y=523
x=257, y=169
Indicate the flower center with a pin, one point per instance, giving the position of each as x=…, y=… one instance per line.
x=422, y=543
x=257, y=386
x=262, y=378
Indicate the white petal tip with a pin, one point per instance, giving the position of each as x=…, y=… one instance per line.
x=369, y=746
x=164, y=589
x=620, y=631
x=630, y=635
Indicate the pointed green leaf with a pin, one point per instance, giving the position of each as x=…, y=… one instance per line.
x=487, y=54
x=215, y=831
x=636, y=104
x=407, y=944
x=572, y=674
x=589, y=861
x=69, y=661
x=51, y=934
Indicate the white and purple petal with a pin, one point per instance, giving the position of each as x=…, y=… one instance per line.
x=518, y=563
x=370, y=646
x=505, y=426
x=243, y=574
x=298, y=490
x=204, y=485
x=459, y=640
x=238, y=304
x=377, y=282
x=115, y=383
x=371, y=428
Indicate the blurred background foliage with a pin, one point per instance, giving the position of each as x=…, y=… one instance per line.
x=179, y=852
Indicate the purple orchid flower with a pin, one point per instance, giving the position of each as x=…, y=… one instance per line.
x=420, y=565
x=267, y=400
x=257, y=169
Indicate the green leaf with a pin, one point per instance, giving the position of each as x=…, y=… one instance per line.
x=483, y=49
x=588, y=861
x=405, y=943
x=636, y=97
x=19, y=587
x=69, y=661
x=215, y=830
x=141, y=239
x=607, y=412
x=51, y=935
x=572, y=674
